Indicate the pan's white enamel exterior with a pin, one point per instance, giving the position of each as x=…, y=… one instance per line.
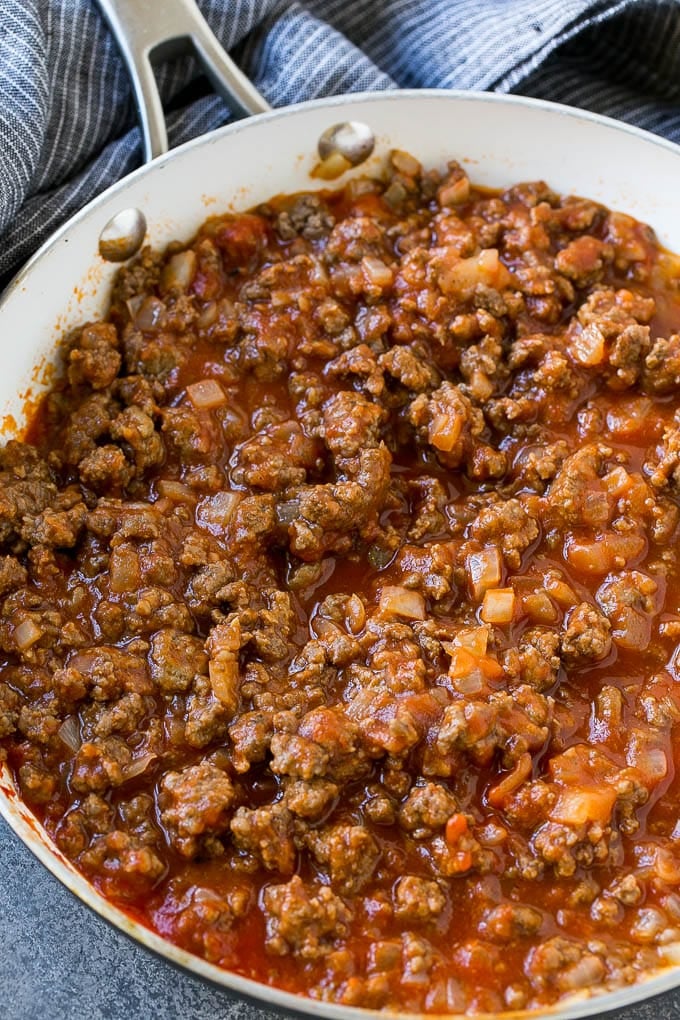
x=500, y=140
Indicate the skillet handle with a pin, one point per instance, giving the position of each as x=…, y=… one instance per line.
x=177, y=26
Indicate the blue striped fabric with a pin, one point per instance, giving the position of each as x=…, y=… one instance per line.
x=67, y=120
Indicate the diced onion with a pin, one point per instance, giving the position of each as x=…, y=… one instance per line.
x=176, y=491
x=651, y=761
x=282, y=298
x=580, y=806
x=69, y=733
x=563, y=594
x=484, y=570
x=633, y=630
x=376, y=272
x=405, y=163
x=468, y=683
x=459, y=276
x=444, y=431
x=223, y=647
x=288, y=512
x=454, y=193
x=580, y=975
x=630, y=419
x=360, y=186
x=499, y=793
x=480, y=386
x=150, y=313
x=617, y=481
x=134, y=304
x=208, y=315
x=498, y=605
x=670, y=952
x=138, y=765
x=214, y=512
x=326, y=629
x=179, y=272
x=206, y=394
x=398, y=601
x=26, y=634
x=608, y=552
x=654, y=763
x=649, y=922
x=475, y=639
x=331, y=167
x=492, y=834
x=667, y=866
x=587, y=346
x=124, y=572
x=223, y=680
x=317, y=274
x=469, y=670
x=539, y=607
x=355, y=614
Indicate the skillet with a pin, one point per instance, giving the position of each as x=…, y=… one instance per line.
x=497, y=139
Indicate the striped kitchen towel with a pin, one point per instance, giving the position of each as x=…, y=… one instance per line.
x=67, y=118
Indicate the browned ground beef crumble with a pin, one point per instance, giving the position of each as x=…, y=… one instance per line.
x=341, y=595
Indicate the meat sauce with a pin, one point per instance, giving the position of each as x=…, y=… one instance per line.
x=341, y=597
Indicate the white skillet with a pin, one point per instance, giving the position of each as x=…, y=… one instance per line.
x=500, y=140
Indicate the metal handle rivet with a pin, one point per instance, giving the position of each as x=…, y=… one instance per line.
x=351, y=139
x=123, y=235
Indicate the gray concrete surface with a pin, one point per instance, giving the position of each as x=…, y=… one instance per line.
x=58, y=961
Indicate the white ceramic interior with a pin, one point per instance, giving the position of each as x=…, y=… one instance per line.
x=500, y=140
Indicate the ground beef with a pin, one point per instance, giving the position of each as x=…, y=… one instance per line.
x=565, y=963
x=12, y=574
x=191, y=433
x=583, y=259
x=206, y=718
x=251, y=736
x=427, y=809
x=135, y=430
x=349, y=852
x=94, y=358
x=87, y=427
x=306, y=216
x=664, y=466
x=26, y=486
x=267, y=833
x=304, y=920
x=507, y=921
x=275, y=458
x=195, y=806
x=575, y=496
x=539, y=659
x=509, y=526
x=404, y=365
x=449, y=422
x=586, y=637
x=311, y=799
x=100, y=765
x=9, y=710
x=661, y=372
x=340, y=595
x=418, y=900
x=105, y=468
x=175, y=659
